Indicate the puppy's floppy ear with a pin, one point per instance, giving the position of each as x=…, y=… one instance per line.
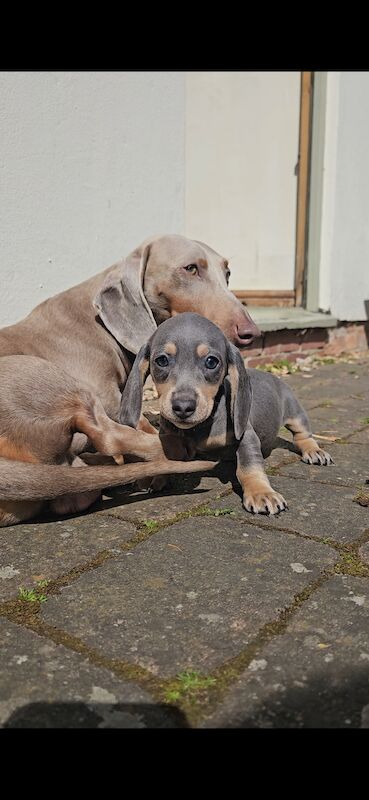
x=121, y=303
x=241, y=394
x=131, y=402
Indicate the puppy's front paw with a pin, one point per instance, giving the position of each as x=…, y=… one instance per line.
x=316, y=456
x=264, y=502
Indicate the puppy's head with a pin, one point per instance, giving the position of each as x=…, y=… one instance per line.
x=188, y=358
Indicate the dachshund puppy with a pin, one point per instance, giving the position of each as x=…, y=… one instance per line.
x=216, y=406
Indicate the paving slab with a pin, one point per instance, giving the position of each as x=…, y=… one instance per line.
x=314, y=509
x=361, y=437
x=334, y=420
x=319, y=397
x=44, y=685
x=45, y=550
x=350, y=468
x=331, y=382
x=282, y=455
x=316, y=674
x=190, y=597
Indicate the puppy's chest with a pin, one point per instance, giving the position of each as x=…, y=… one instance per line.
x=214, y=440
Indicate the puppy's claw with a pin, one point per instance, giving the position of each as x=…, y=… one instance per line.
x=266, y=502
x=317, y=457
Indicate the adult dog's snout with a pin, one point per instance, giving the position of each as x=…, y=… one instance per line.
x=245, y=332
x=183, y=404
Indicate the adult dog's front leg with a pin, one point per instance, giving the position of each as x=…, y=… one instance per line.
x=258, y=495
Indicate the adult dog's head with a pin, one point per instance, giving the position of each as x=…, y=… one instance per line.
x=165, y=276
x=189, y=358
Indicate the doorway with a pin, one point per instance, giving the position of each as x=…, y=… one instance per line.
x=247, y=170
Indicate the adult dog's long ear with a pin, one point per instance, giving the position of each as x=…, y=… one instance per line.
x=131, y=403
x=241, y=393
x=121, y=303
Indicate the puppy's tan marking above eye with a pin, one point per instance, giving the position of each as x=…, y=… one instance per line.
x=170, y=348
x=202, y=350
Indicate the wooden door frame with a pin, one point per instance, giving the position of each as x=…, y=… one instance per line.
x=296, y=296
x=303, y=185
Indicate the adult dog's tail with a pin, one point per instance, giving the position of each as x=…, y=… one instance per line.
x=20, y=481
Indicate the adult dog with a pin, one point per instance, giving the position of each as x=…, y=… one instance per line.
x=63, y=369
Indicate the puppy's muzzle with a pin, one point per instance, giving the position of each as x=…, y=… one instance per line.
x=184, y=404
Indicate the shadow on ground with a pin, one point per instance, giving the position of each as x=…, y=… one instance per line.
x=81, y=715
x=186, y=484
x=320, y=703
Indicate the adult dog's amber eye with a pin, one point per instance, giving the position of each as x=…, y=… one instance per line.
x=211, y=362
x=162, y=361
x=192, y=268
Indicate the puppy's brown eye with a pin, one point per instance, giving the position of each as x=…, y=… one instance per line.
x=192, y=268
x=162, y=361
x=228, y=275
x=211, y=362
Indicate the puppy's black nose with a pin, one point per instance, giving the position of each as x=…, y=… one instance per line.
x=183, y=405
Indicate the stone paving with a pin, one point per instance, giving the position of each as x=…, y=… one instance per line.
x=182, y=610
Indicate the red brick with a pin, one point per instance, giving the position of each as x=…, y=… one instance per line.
x=291, y=356
x=333, y=349
x=292, y=346
x=313, y=345
x=272, y=349
x=251, y=352
x=254, y=362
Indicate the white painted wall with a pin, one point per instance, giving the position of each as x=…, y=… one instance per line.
x=344, y=265
x=241, y=152
x=91, y=163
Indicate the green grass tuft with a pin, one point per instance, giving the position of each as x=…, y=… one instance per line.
x=31, y=595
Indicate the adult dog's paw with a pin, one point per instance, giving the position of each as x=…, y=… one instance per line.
x=317, y=456
x=265, y=502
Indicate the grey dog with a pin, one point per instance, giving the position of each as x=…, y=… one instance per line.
x=216, y=407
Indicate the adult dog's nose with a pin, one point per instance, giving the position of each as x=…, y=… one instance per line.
x=183, y=405
x=245, y=333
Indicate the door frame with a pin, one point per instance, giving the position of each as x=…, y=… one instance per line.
x=296, y=296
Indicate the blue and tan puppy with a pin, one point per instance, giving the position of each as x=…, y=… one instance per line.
x=213, y=405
